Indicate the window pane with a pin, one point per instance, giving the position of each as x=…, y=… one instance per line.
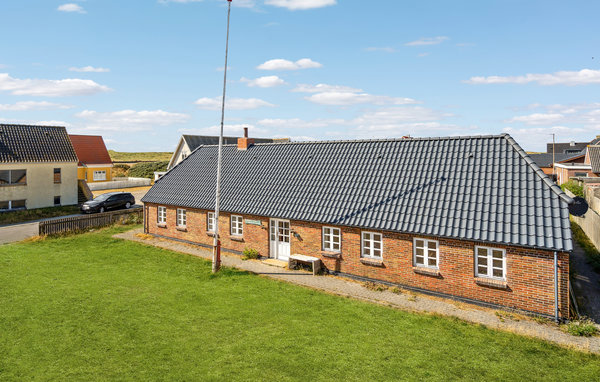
x=420, y=243
x=5, y=179
x=432, y=253
x=377, y=245
x=497, y=263
x=482, y=271
x=336, y=246
x=497, y=254
x=432, y=262
x=432, y=244
x=4, y=205
x=377, y=253
x=327, y=231
x=420, y=260
x=18, y=204
x=498, y=273
x=482, y=260
x=18, y=177
x=482, y=252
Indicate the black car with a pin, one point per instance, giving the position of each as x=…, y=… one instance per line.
x=108, y=201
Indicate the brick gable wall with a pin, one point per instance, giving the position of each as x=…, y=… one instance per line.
x=529, y=278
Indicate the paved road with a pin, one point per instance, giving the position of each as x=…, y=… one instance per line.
x=18, y=232
x=586, y=284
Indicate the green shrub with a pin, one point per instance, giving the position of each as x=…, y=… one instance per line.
x=250, y=253
x=582, y=328
x=120, y=169
x=146, y=170
x=574, y=187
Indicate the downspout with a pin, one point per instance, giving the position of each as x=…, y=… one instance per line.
x=556, y=286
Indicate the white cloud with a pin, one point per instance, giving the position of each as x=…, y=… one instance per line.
x=294, y=5
x=346, y=98
x=538, y=119
x=386, y=49
x=33, y=105
x=129, y=120
x=50, y=88
x=71, y=7
x=264, y=82
x=535, y=138
x=569, y=78
x=89, y=69
x=297, y=123
x=427, y=41
x=322, y=88
x=232, y=103
x=281, y=64
x=236, y=130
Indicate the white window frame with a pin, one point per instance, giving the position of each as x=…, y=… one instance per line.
x=181, y=220
x=161, y=215
x=372, y=248
x=426, y=253
x=489, y=266
x=328, y=240
x=210, y=222
x=236, y=225
x=99, y=175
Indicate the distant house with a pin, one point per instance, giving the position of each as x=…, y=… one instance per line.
x=472, y=218
x=189, y=143
x=546, y=160
x=94, y=164
x=586, y=165
x=38, y=167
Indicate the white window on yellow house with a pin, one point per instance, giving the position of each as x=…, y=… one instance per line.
x=99, y=175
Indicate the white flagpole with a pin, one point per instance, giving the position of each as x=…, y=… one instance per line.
x=216, y=263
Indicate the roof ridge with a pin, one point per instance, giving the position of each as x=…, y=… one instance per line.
x=545, y=178
x=25, y=125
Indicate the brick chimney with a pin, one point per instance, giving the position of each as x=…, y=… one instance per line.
x=244, y=143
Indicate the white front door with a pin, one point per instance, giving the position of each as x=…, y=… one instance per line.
x=280, y=239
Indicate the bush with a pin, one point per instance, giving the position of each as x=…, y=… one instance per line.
x=582, y=328
x=250, y=253
x=574, y=187
x=121, y=170
x=592, y=254
x=146, y=170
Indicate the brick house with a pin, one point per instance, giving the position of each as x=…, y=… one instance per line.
x=471, y=218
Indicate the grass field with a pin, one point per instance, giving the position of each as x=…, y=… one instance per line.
x=117, y=156
x=91, y=307
x=20, y=216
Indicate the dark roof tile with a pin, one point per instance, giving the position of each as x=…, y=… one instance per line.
x=24, y=143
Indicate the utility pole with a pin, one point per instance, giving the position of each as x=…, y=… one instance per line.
x=553, y=157
x=216, y=261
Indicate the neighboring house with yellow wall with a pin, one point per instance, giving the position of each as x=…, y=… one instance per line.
x=38, y=167
x=95, y=164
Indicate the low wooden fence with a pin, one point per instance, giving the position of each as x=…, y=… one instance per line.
x=84, y=222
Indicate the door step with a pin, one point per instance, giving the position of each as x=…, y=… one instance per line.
x=276, y=263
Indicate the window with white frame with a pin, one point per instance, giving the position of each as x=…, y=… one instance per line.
x=181, y=218
x=426, y=253
x=210, y=222
x=237, y=225
x=99, y=175
x=332, y=239
x=490, y=263
x=372, y=245
x=161, y=215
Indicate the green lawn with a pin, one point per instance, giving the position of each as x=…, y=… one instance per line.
x=91, y=307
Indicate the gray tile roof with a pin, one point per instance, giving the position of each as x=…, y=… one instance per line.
x=483, y=188
x=545, y=159
x=24, y=143
x=594, y=152
x=194, y=141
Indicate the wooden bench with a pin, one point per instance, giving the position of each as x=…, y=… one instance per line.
x=314, y=261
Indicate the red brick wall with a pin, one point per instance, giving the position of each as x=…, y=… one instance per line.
x=529, y=278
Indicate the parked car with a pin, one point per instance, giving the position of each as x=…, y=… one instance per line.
x=108, y=201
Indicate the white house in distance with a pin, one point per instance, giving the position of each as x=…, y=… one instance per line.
x=38, y=167
x=189, y=143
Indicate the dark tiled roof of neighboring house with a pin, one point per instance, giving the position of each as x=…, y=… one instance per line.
x=544, y=160
x=193, y=141
x=90, y=149
x=483, y=188
x=567, y=148
x=594, y=153
x=24, y=143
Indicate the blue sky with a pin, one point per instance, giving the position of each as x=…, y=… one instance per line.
x=142, y=72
